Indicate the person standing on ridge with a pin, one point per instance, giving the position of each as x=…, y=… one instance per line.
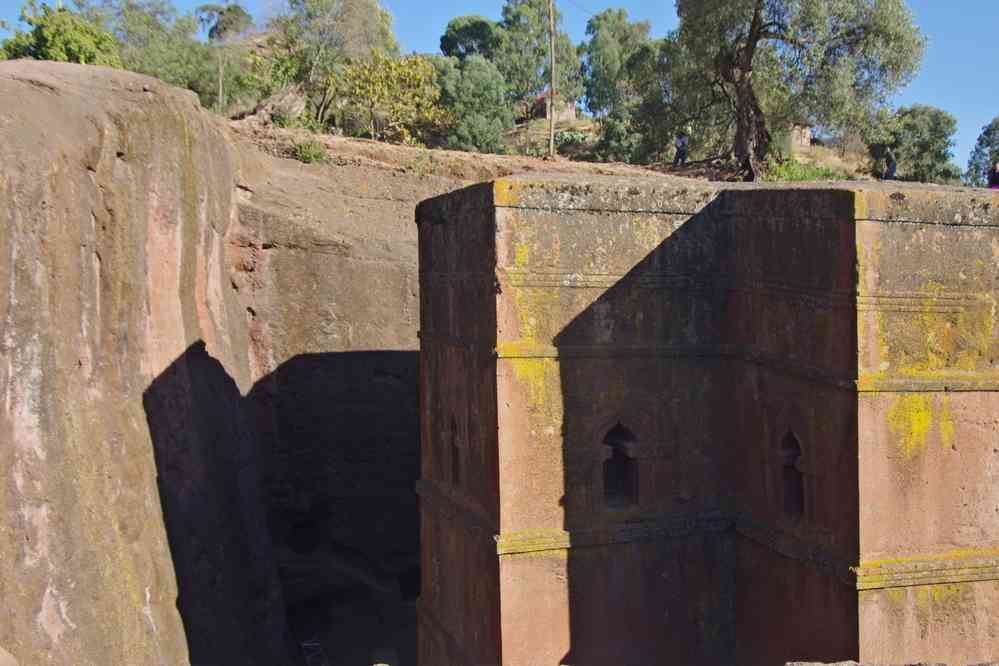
x=994, y=176
x=682, y=141
x=891, y=165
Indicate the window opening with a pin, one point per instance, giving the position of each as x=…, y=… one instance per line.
x=793, y=479
x=620, y=470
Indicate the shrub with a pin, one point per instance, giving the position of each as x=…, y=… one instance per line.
x=62, y=35
x=791, y=170
x=399, y=97
x=309, y=151
x=474, y=93
x=570, y=138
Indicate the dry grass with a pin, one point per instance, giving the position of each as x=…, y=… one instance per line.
x=848, y=165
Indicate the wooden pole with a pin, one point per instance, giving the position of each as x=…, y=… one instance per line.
x=551, y=87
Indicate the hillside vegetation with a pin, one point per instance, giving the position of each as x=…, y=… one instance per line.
x=334, y=67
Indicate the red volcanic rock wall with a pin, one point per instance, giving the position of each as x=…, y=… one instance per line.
x=210, y=381
x=124, y=356
x=929, y=453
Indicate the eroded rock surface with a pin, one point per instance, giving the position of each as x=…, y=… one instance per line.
x=124, y=349
x=327, y=270
x=209, y=380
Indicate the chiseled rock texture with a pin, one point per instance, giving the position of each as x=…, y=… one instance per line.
x=208, y=378
x=123, y=356
x=327, y=270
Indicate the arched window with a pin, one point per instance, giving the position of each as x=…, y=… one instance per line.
x=620, y=469
x=455, y=455
x=793, y=481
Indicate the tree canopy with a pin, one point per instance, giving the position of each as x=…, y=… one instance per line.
x=672, y=96
x=984, y=156
x=157, y=40
x=471, y=35
x=313, y=40
x=833, y=61
x=62, y=35
x=474, y=92
x=398, y=95
x=613, y=40
x=734, y=72
x=224, y=21
x=522, y=57
x=921, y=139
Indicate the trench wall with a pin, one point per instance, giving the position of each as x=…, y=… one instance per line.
x=133, y=529
x=210, y=380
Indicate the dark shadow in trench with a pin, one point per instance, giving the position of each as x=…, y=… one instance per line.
x=291, y=512
x=640, y=393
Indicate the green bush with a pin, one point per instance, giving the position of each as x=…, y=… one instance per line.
x=791, y=170
x=56, y=33
x=570, y=138
x=309, y=151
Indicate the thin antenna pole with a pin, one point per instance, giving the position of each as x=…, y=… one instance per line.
x=551, y=89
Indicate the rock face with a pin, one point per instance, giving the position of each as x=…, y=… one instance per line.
x=209, y=379
x=209, y=382
x=327, y=271
x=124, y=353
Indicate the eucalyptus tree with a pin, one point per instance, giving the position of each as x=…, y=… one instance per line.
x=613, y=40
x=223, y=22
x=471, y=35
x=474, y=92
x=522, y=56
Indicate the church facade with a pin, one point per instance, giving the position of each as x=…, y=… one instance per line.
x=668, y=422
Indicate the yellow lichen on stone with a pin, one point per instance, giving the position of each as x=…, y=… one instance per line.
x=896, y=596
x=909, y=419
x=944, y=339
x=522, y=255
x=860, y=207
x=533, y=373
x=874, y=364
x=506, y=193
x=534, y=306
x=912, y=416
x=942, y=598
x=938, y=595
x=956, y=555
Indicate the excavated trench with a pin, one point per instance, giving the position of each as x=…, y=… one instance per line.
x=340, y=475
x=210, y=379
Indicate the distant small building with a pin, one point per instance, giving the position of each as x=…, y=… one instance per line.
x=565, y=110
x=801, y=135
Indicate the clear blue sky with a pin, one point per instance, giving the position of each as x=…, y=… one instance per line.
x=959, y=71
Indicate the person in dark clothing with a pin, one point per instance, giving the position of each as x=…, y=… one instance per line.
x=891, y=165
x=682, y=143
x=994, y=177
